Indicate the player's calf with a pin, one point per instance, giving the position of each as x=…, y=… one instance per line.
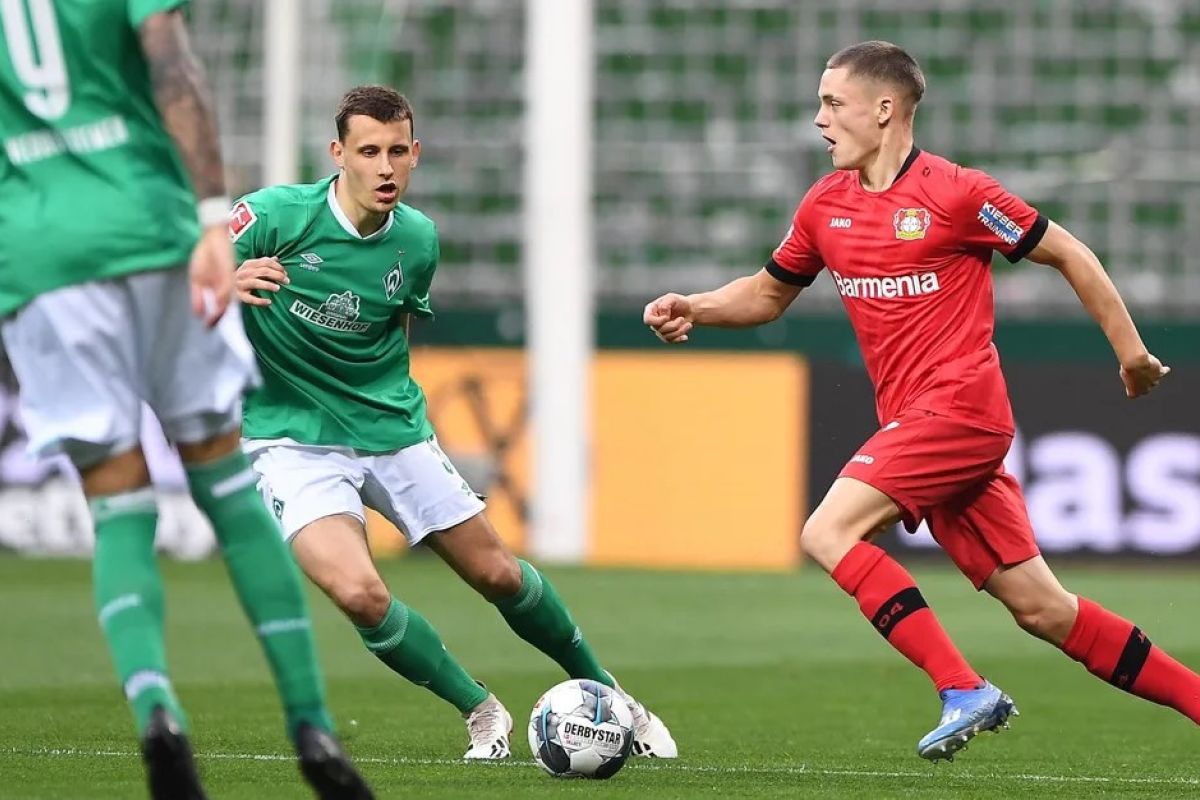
x=265, y=577
x=538, y=615
x=889, y=598
x=1111, y=648
x=1115, y=650
x=410, y=646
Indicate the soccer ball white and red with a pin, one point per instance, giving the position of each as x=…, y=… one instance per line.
x=581, y=729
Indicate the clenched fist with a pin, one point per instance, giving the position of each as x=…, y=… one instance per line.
x=1142, y=374
x=670, y=317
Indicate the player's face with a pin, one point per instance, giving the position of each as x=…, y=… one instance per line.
x=376, y=159
x=850, y=118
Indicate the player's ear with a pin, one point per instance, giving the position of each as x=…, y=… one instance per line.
x=886, y=109
x=416, y=152
x=337, y=152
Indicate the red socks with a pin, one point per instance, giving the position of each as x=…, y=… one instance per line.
x=889, y=597
x=1115, y=650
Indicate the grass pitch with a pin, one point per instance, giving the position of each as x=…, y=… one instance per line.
x=773, y=685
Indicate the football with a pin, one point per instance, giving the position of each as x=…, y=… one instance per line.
x=581, y=729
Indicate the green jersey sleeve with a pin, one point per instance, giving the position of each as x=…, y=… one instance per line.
x=139, y=10
x=417, y=302
x=250, y=229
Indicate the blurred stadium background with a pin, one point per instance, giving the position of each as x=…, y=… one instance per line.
x=703, y=124
x=701, y=145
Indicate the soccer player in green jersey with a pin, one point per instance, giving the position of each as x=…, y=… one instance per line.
x=113, y=284
x=330, y=274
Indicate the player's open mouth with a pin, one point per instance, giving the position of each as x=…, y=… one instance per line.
x=386, y=192
x=832, y=144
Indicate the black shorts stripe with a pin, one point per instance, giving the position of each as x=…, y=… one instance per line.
x=1133, y=658
x=901, y=604
x=786, y=275
x=1031, y=239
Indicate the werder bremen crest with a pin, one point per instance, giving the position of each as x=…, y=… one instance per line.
x=394, y=279
x=338, y=313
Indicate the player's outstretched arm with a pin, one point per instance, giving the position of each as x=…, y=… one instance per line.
x=1140, y=370
x=185, y=105
x=743, y=303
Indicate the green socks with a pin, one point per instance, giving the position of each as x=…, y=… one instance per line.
x=266, y=581
x=128, y=592
x=408, y=644
x=537, y=614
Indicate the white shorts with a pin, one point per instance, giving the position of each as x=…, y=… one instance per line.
x=87, y=356
x=416, y=488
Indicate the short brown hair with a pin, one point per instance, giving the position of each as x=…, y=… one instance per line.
x=883, y=62
x=377, y=102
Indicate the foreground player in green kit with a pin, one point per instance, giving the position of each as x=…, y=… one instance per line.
x=110, y=295
x=330, y=274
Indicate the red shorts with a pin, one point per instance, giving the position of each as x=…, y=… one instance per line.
x=950, y=473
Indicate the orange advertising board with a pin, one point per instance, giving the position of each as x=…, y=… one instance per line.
x=698, y=459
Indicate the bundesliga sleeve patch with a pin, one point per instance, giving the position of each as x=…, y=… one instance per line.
x=241, y=218
x=1000, y=224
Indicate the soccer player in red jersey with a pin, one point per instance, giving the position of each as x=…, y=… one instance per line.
x=908, y=239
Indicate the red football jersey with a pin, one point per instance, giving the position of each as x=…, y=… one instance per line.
x=912, y=265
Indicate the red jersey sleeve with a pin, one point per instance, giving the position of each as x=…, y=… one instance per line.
x=992, y=217
x=796, y=260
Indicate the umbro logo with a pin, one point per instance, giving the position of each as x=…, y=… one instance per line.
x=311, y=260
x=840, y=222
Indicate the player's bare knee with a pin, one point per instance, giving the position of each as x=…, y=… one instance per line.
x=826, y=542
x=364, y=599
x=814, y=539
x=1049, y=617
x=123, y=472
x=498, y=577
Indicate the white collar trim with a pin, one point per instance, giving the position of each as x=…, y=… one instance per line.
x=344, y=221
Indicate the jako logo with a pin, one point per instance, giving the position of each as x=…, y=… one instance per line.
x=903, y=286
x=840, y=222
x=863, y=459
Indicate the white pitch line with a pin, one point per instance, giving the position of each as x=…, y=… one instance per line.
x=948, y=771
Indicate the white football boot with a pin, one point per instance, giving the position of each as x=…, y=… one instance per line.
x=488, y=727
x=651, y=739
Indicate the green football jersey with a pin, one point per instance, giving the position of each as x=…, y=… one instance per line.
x=91, y=186
x=331, y=346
